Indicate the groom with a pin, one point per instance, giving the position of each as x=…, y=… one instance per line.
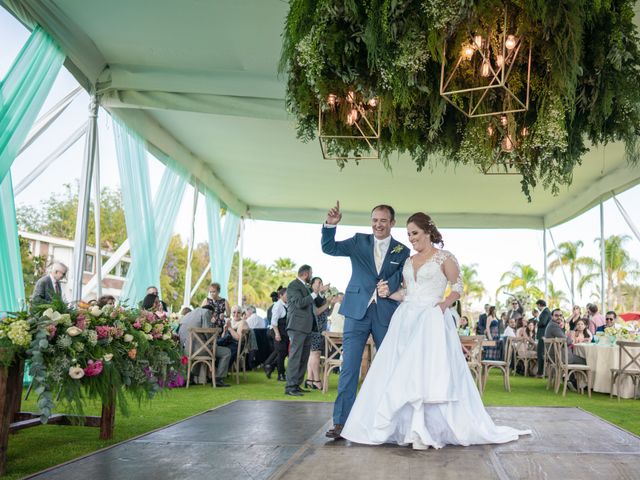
x=374, y=258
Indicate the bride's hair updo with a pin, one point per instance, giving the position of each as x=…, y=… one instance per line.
x=424, y=222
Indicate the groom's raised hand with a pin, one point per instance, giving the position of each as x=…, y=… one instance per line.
x=334, y=216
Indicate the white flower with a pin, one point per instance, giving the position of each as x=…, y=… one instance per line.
x=48, y=313
x=64, y=319
x=73, y=331
x=149, y=336
x=107, y=357
x=76, y=373
x=95, y=311
x=166, y=336
x=128, y=338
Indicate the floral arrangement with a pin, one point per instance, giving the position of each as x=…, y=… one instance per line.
x=94, y=353
x=627, y=331
x=15, y=337
x=583, y=85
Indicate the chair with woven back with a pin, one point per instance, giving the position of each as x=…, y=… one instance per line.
x=522, y=353
x=332, y=356
x=241, y=356
x=502, y=365
x=472, y=350
x=628, y=366
x=566, y=369
x=201, y=350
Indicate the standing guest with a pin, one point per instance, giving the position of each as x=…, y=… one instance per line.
x=510, y=331
x=492, y=333
x=481, y=326
x=336, y=319
x=463, y=326
x=48, y=286
x=317, y=340
x=253, y=319
x=543, y=321
x=609, y=319
x=516, y=312
x=595, y=319
x=152, y=290
x=105, y=300
x=202, y=317
x=184, y=311
x=279, y=333
x=580, y=333
x=274, y=299
x=576, y=314
x=221, y=308
x=300, y=323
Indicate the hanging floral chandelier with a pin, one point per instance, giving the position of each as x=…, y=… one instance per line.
x=519, y=87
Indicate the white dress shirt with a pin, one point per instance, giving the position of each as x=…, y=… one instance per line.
x=278, y=311
x=255, y=321
x=509, y=332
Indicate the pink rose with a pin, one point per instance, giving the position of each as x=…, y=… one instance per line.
x=93, y=368
x=81, y=322
x=103, y=331
x=137, y=324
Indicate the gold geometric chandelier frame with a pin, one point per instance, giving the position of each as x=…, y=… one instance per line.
x=498, y=77
x=367, y=125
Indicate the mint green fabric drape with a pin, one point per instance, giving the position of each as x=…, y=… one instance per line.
x=222, y=241
x=22, y=94
x=149, y=225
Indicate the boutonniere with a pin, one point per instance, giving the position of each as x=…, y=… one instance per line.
x=397, y=249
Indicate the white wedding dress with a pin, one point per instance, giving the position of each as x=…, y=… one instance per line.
x=419, y=389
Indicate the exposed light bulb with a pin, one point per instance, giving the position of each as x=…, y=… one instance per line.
x=510, y=43
x=373, y=102
x=524, y=132
x=490, y=130
x=504, y=120
x=351, y=96
x=331, y=99
x=499, y=60
x=467, y=52
x=484, y=71
x=477, y=41
x=507, y=144
x=352, y=117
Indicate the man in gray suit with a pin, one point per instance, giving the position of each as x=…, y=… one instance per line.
x=48, y=286
x=201, y=318
x=300, y=323
x=555, y=330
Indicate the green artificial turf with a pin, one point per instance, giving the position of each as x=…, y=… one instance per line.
x=38, y=448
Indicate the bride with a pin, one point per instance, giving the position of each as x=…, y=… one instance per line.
x=419, y=389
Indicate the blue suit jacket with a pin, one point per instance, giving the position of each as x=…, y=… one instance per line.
x=364, y=276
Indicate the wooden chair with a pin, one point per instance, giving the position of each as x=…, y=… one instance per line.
x=332, y=356
x=472, y=350
x=522, y=353
x=201, y=349
x=241, y=356
x=503, y=364
x=567, y=369
x=551, y=370
x=627, y=367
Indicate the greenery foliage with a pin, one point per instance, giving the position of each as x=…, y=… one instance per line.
x=584, y=77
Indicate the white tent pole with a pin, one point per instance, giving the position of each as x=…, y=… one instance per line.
x=602, y=257
x=200, y=279
x=48, y=118
x=52, y=157
x=96, y=217
x=186, y=299
x=627, y=217
x=113, y=260
x=240, y=261
x=82, y=217
x=546, y=274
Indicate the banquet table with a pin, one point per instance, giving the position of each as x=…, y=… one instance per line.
x=602, y=358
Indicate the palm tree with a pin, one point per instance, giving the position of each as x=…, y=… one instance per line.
x=619, y=269
x=258, y=281
x=555, y=298
x=630, y=297
x=472, y=286
x=566, y=255
x=521, y=279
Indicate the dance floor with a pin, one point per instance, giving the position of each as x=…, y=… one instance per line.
x=285, y=440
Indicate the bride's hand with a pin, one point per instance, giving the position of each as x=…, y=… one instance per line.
x=383, y=289
x=442, y=306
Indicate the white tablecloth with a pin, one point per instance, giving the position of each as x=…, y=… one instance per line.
x=602, y=358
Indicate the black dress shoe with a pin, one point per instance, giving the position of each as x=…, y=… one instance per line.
x=220, y=383
x=293, y=393
x=335, y=432
x=268, y=370
x=282, y=378
x=302, y=390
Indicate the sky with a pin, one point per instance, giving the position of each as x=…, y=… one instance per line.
x=492, y=251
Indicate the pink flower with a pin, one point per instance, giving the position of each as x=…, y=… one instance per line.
x=81, y=322
x=114, y=314
x=184, y=360
x=137, y=324
x=103, y=331
x=150, y=316
x=117, y=332
x=52, y=330
x=93, y=368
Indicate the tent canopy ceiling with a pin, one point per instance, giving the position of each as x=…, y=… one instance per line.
x=198, y=79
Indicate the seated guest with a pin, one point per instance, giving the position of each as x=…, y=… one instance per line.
x=154, y=291
x=105, y=300
x=580, y=334
x=463, y=326
x=336, y=319
x=202, y=318
x=152, y=303
x=253, y=319
x=595, y=319
x=510, y=330
x=555, y=329
x=609, y=321
x=576, y=314
x=528, y=332
x=233, y=330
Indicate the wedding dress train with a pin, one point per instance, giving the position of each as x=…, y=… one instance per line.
x=419, y=389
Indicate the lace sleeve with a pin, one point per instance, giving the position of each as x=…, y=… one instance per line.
x=452, y=272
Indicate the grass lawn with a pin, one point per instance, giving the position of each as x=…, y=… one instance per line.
x=38, y=448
